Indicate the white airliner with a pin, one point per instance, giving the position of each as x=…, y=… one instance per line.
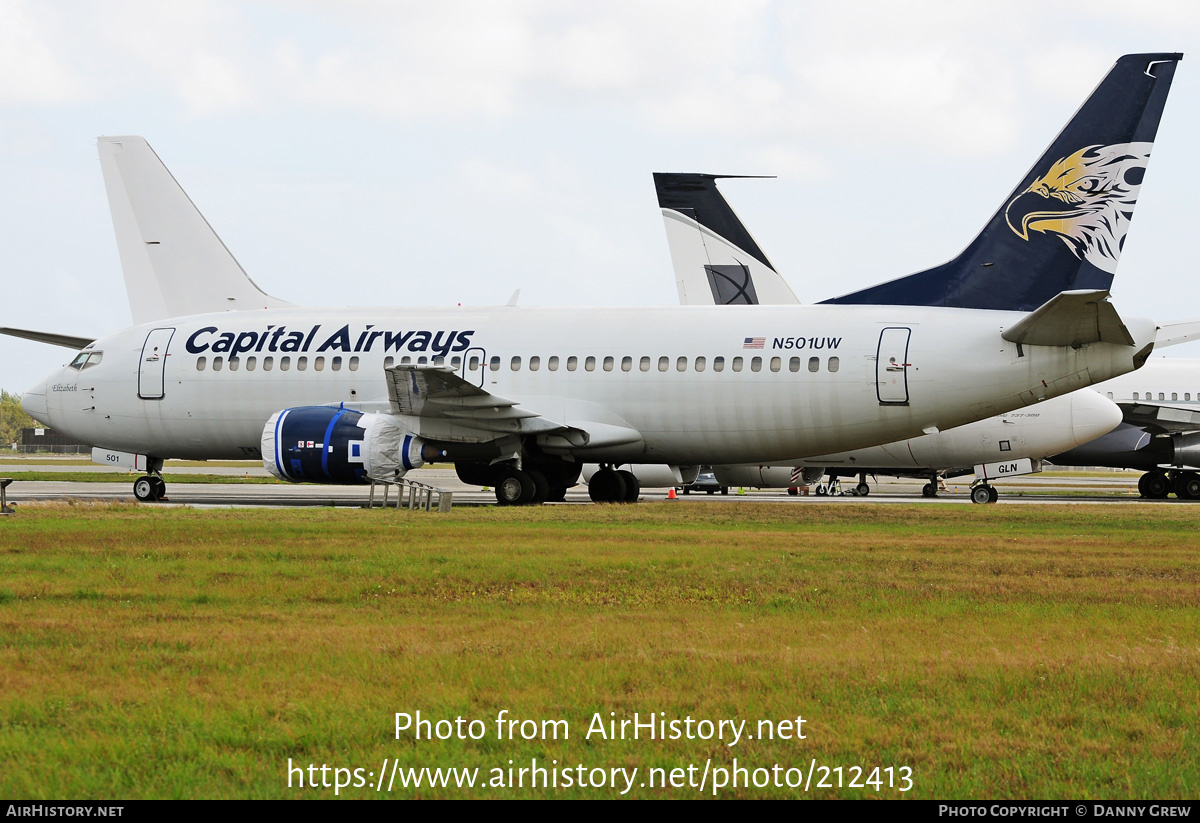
x=519, y=397
x=716, y=261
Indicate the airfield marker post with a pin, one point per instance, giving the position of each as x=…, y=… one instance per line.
x=4, y=507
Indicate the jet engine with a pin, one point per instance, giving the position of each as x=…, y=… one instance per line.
x=326, y=444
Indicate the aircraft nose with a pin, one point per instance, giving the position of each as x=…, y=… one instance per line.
x=34, y=403
x=1092, y=415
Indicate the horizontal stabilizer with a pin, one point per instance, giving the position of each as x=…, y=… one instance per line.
x=1172, y=334
x=1071, y=318
x=65, y=340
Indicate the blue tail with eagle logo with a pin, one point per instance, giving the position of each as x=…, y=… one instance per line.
x=1064, y=225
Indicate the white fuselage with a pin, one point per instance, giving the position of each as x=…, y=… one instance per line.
x=814, y=387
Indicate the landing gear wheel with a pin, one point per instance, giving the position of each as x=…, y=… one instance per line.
x=607, y=486
x=633, y=486
x=1154, y=485
x=993, y=495
x=982, y=494
x=862, y=489
x=929, y=490
x=160, y=488
x=541, y=487
x=1187, y=486
x=145, y=489
x=821, y=490
x=515, y=488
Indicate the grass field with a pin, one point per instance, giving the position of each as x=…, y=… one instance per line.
x=997, y=652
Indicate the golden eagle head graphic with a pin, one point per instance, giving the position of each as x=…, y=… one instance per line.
x=1086, y=200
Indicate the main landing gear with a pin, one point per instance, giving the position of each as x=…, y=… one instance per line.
x=1156, y=485
x=610, y=486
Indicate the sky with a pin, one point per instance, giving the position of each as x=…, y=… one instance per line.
x=394, y=153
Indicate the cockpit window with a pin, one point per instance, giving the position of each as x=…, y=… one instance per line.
x=86, y=359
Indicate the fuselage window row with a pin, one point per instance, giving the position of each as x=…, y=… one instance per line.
x=533, y=364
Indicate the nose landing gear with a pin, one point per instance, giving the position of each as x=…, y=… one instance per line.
x=151, y=488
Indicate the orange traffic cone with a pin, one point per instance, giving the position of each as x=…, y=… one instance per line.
x=671, y=494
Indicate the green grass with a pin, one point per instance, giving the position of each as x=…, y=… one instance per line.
x=1023, y=652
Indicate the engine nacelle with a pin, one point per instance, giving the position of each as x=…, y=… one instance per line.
x=766, y=477
x=323, y=444
x=1187, y=449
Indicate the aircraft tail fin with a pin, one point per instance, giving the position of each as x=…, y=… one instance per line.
x=1062, y=228
x=716, y=260
x=174, y=263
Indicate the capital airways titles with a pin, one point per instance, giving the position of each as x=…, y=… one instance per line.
x=283, y=339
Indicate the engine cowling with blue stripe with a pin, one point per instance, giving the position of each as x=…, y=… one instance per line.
x=325, y=444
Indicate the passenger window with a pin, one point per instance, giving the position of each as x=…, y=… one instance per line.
x=737, y=364
x=422, y=361
x=268, y=363
x=318, y=364
x=814, y=364
x=535, y=363
x=285, y=363
x=217, y=364
x=718, y=364
x=1187, y=395
x=681, y=364
x=1135, y=395
x=473, y=363
x=439, y=360
x=608, y=364
x=664, y=363
x=700, y=364
x=755, y=364
x=1174, y=396
x=494, y=366
x=201, y=362
x=455, y=362
x=234, y=362
x=515, y=364
x=776, y=364
x=834, y=364
x=1110, y=397
x=552, y=363
x=626, y=364
x=388, y=362
x=572, y=363
x=353, y=364
x=251, y=362
x=794, y=364
x=589, y=364
x=301, y=363
x=644, y=364
x=1161, y=396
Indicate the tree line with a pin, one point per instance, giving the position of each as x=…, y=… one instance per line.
x=13, y=418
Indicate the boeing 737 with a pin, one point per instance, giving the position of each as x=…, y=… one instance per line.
x=716, y=261
x=517, y=398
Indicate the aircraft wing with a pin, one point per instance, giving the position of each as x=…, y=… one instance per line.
x=447, y=407
x=1159, y=418
x=65, y=340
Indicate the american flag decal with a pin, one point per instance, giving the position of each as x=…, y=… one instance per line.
x=754, y=343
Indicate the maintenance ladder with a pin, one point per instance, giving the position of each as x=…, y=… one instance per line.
x=413, y=494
